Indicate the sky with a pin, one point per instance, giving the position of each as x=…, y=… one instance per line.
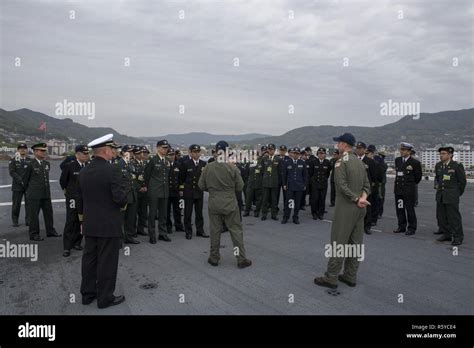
x=152, y=67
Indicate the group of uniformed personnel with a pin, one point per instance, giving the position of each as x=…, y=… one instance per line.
x=160, y=187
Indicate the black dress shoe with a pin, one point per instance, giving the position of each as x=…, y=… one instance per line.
x=296, y=221
x=263, y=218
x=320, y=217
x=444, y=239
x=321, y=281
x=16, y=224
x=55, y=234
x=66, y=253
x=246, y=213
x=153, y=240
x=88, y=300
x=409, y=233
x=367, y=231
x=189, y=236
x=78, y=247
x=456, y=242
x=203, y=235
x=284, y=221
x=344, y=280
x=131, y=241
x=36, y=238
x=438, y=232
x=212, y=263
x=164, y=238
x=245, y=263
x=399, y=231
x=117, y=300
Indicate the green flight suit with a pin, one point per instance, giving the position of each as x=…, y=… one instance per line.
x=17, y=168
x=347, y=228
x=450, y=183
x=222, y=180
x=38, y=195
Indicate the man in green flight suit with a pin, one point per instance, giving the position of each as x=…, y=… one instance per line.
x=352, y=189
x=17, y=168
x=38, y=193
x=450, y=182
x=222, y=179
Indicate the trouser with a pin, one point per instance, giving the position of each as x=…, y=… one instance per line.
x=158, y=207
x=270, y=196
x=173, y=204
x=130, y=221
x=450, y=220
x=347, y=229
x=382, y=199
x=369, y=215
x=303, y=200
x=293, y=201
x=240, y=202
x=188, y=212
x=280, y=189
x=72, y=229
x=216, y=225
x=405, y=207
x=17, y=196
x=318, y=203
x=99, y=268
x=375, y=209
x=34, y=207
x=333, y=193
x=253, y=194
x=142, y=212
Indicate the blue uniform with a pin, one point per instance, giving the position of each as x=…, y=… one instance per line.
x=295, y=178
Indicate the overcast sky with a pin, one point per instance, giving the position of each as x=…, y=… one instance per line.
x=290, y=53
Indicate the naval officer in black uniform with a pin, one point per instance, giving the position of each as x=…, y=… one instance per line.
x=69, y=182
x=101, y=197
x=408, y=175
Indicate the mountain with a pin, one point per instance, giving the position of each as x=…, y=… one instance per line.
x=27, y=122
x=428, y=130
x=204, y=138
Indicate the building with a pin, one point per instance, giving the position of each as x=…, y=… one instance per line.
x=57, y=147
x=462, y=154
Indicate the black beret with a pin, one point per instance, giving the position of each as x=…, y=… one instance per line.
x=22, y=146
x=163, y=142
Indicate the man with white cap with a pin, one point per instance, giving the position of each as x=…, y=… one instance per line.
x=408, y=175
x=100, y=200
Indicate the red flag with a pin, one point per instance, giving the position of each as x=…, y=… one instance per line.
x=42, y=126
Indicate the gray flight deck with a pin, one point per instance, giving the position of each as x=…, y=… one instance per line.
x=285, y=258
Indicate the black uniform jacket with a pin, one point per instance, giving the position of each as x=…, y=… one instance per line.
x=101, y=195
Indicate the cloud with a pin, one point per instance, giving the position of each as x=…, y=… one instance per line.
x=190, y=61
